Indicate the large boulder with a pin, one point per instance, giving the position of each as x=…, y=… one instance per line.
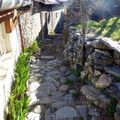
x=104, y=81
x=94, y=96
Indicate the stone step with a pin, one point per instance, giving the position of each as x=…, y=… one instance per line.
x=94, y=96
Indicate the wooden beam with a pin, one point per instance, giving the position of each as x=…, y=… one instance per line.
x=6, y=12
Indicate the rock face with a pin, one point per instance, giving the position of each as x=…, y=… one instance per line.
x=104, y=81
x=94, y=96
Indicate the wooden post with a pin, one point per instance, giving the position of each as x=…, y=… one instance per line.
x=21, y=36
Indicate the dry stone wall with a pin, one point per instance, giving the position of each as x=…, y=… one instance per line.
x=31, y=27
x=101, y=69
x=99, y=52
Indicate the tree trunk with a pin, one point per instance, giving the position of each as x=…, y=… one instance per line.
x=84, y=26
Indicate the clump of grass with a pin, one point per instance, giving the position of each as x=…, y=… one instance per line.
x=75, y=94
x=19, y=101
x=33, y=48
x=111, y=107
x=106, y=28
x=69, y=82
x=76, y=72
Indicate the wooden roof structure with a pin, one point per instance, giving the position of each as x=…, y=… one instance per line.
x=49, y=2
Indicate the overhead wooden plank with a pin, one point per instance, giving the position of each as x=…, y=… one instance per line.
x=11, y=22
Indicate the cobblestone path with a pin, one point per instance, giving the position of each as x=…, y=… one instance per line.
x=51, y=98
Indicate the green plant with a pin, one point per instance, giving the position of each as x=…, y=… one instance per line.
x=75, y=94
x=111, y=107
x=76, y=72
x=33, y=48
x=19, y=101
x=69, y=82
x=81, y=118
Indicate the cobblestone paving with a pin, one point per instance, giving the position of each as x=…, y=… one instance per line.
x=50, y=96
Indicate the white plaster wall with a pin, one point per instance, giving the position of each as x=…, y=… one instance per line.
x=54, y=19
x=7, y=67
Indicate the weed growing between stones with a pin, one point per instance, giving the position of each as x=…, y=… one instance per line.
x=111, y=107
x=81, y=118
x=75, y=94
x=69, y=82
x=19, y=101
x=34, y=47
x=76, y=72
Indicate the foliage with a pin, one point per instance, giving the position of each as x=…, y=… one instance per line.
x=81, y=118
x=76, y=72
x=75, y=94
x=111, y=107
x=33, y=47
x=19, y=101
x=106, y=28
x=69, y=82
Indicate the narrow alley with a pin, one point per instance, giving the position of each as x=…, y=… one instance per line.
x=51, y=98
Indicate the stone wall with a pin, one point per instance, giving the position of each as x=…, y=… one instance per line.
x=7, y=65
x=101, y=71
x=31, y=27
x=99, y=52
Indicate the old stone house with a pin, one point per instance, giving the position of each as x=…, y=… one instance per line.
x=51, y=16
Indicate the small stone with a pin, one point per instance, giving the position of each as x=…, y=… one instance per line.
x=93, y=112
x=57, y=83
x=94, y=96
x=63, y=88
x=67, y=73
x=37, y=109
x=83, y=74
x=82, y=109
x=63, y=69
x=59, y=104
x=33, y=86
x=72, y=77
x=97, y=73
x=104, y=81
x=63, y=80
x=69, y=98
x=33, y=116
x=47, y=57
x=66, y=113
x=88, y=69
